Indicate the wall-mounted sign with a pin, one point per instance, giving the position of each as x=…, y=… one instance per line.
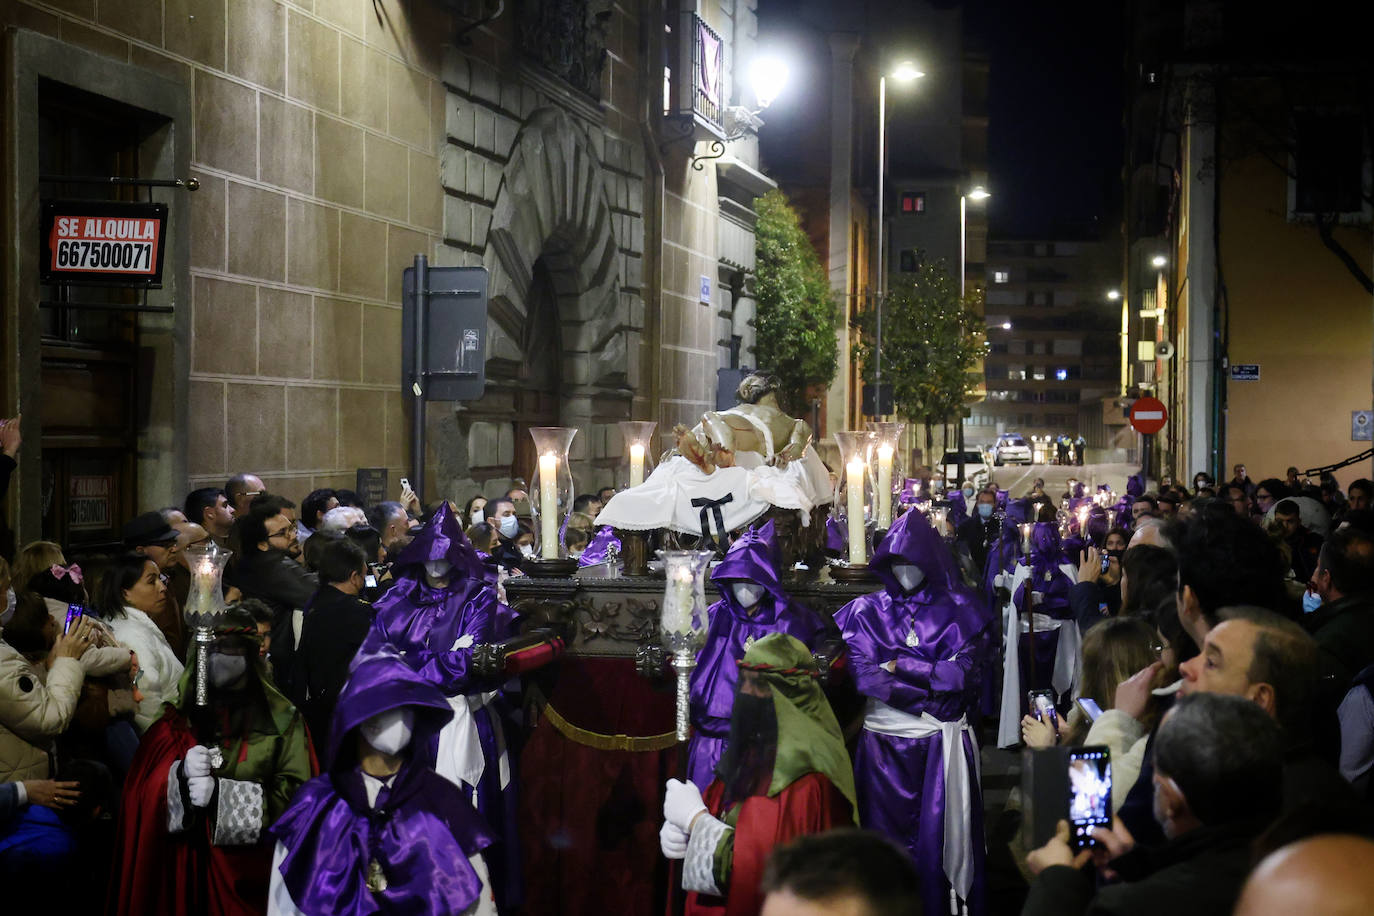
x=89, y=502
x=1245, y=372
x=1362, y=425
x=99, y=243
x=705, y=290
x=371, y=485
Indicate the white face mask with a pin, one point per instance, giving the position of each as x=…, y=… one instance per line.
x=527, y=551
x=747, y=593
x=437, y=569
x=389, y=731
x=226, y=669
x=908, y=576
x=478, y=516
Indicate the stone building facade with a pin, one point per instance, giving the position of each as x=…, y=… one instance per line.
x=333, y=141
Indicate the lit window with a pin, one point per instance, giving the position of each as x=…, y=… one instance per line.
x=1061, y=374
x=913, y=202
x=1038, y=373
x=1001, y=276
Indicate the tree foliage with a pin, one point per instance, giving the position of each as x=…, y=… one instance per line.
x=931, y=347
x=797, y=315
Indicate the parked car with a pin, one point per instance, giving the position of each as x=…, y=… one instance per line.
x=1011, y=448
x=975, y=469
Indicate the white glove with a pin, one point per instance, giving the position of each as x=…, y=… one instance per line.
x=201, y=790
x=197, y=762
x=673, y=841
x=681, y=803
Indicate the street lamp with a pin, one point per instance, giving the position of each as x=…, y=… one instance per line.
x=1113, y=294
x=977, y=194
x=1158, y=260
x=1006, y=325
x=768, y=76
x=905, y=72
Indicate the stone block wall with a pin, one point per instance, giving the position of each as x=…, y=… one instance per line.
x=317, y=127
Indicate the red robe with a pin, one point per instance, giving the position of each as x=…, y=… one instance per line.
x=812, y=804
x=156, y=873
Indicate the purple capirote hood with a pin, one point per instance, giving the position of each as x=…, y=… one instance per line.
x=442, y=539
x=912, y=539
x=378, y=682
x=958, y=509
x=1019, y=511
x=1046, y=550
x=1135, y=485
x=753, y=558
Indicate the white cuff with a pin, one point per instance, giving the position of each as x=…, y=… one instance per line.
x=238, y=818
x=699, y=867
x=176, y=808
x=21, y=796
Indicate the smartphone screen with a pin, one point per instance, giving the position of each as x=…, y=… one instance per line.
x=1090, y=708
x=370, y=580
x=1090, y=794
x=74, y=614
x=1041, y=705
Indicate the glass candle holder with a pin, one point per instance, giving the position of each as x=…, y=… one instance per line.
x=637, y=462
x=853, y=503
x=891, y=469
x=1026, y=529
x=552, y=490
x=684, y=621
x=205, y=600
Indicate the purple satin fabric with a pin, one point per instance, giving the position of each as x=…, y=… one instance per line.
x=596, y=548
x=422, y=832
x=958, y=509
x=901, y=781
x=752, y=558
x=441, y=539
x=901, y=789
x=1135, y=485
x=836, y=537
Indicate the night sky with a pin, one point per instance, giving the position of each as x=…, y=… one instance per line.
x=1055, y=100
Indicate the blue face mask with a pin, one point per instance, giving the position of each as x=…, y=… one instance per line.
x=1310, y=601
x=985, y=510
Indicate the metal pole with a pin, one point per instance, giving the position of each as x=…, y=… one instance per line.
x=417, y=382
x=963, y=268
x=882, y=266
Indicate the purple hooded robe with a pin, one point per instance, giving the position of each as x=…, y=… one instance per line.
x=752, y=558
x=937, y=640
x=1041, y=585
x=435, y=630
x=423, y=832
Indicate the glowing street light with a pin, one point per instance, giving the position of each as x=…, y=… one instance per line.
x=1158, y=260
x=768, y=75
x=906, y=71
x=979, y=193
x=1113, y=294
x=1006, y=325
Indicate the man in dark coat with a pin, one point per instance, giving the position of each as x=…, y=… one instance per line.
x=336, y=623
x=1218, y=778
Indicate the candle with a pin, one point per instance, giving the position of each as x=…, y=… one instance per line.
x=1026, y=537
x=636, y=464
x=548, y=506
x=854, y=478
x=677, y=615
x=884, y=486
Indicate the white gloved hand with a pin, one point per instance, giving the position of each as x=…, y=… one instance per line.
x=197, y=762
x=681, y=803
x=673, y=841
x=201, y=790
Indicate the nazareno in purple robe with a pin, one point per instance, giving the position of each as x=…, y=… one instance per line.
x=435, y=630
x=752, y=558
x=423, y=832
x=939, y=636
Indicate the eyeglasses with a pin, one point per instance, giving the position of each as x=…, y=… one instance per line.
x=289, y=532
x=1158, y=649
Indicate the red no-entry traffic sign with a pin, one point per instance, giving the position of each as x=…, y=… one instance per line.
x=1148, y=415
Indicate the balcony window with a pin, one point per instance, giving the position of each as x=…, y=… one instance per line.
x=913, y=202
x=695, y=77
x=1001, y=276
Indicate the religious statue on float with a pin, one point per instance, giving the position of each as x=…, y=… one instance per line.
x=728, y=470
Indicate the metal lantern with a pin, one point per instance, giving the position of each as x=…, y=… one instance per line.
x=204, y=607
x=891, y=469
x=854, y=504
x=684, y=621
x=638, y=461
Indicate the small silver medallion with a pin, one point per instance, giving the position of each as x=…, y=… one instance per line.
x=216, y=758
x=912, y=639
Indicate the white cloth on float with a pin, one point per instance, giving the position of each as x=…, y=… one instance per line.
x=1067, y=653
x=741, y=493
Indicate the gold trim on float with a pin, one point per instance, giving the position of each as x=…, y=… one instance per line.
x=608, y=742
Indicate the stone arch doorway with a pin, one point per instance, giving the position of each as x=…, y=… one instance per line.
x=560, y=345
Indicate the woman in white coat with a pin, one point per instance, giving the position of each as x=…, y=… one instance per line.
x=129, y=591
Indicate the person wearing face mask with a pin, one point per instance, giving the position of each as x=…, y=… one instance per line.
x=980, y=532
x=1048, y=657
x=375, y=832
x=438, y=612
x=207, y=782
x=500, y=514
x=919, y=650
x=752, y=604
